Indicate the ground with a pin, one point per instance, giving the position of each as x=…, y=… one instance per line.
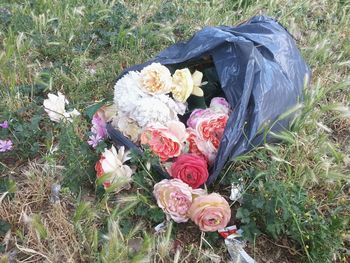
x=296, y=202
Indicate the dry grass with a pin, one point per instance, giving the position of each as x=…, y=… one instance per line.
x=41, y=230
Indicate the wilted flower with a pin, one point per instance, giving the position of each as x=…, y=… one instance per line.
x=174, y=197
x=165, y=141
x=5, y=145
x=112, y=164
x=55, y=108
x=4, y=124
x=127, y=126
x=156, y=79
x=210, y=212
x=191, y=169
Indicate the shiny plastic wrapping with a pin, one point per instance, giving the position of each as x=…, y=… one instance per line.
x=261, y=73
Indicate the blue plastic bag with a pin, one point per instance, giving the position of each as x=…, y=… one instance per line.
x=261, y=73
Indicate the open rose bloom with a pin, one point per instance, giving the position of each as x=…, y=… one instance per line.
x=191, y=169
x=165, y=141
x=210, y=212
x=174, y=197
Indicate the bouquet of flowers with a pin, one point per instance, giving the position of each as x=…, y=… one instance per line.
x=148, y=106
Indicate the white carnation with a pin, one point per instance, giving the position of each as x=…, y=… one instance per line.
x=175, y=106
x=127, y=92
x=151, y=110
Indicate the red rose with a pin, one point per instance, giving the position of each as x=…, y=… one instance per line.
x=191, y=169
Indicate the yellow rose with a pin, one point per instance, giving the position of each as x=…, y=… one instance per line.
x=197, y=81
x=156, y=79
x=185, y=84
x=182, y=84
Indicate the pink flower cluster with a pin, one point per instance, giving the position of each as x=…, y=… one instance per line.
x=194, y=147
x=190, y=151
x=180, y=202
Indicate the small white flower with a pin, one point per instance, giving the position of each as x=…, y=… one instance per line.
x=55, y=108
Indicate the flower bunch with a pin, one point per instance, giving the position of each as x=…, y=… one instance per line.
x=181, y=202
x=152, y=96
x=147, y=108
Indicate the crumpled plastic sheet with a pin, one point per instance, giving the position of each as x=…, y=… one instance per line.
x=261, y=73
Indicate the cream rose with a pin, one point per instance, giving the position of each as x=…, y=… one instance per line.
x=156, y=79
x=210, y=212
x=174, y=197
x=184, y=84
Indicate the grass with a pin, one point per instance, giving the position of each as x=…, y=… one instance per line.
x=296, y=193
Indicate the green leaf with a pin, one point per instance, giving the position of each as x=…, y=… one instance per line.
x=92, y=109
x=156, y=215
x=4, y=227
x=258, y=203
x=243, y=214
x=7, y=185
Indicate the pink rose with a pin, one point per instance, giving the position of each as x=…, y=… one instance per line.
x=165, y=141
x=211, y=128
x=195, y=116
x=191, y=169
x=210, y=212
x=192, y=141
x=174, y=197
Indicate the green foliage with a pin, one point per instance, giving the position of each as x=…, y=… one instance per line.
x=7, y=185
x=77, y=156
x=4, y=228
